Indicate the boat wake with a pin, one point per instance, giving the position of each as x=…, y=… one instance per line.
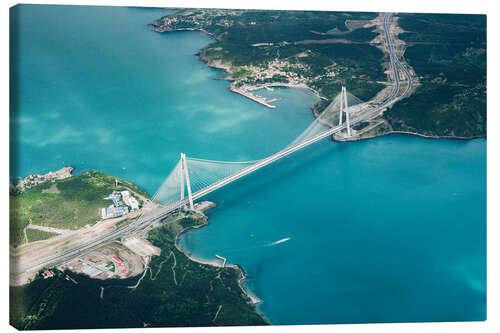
x=283, y=240
x=279, y=241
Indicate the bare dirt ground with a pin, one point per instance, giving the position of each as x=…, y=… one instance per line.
x=328, y=41
x=51, y=189
x=110, y=261
x=141, y=246
x=28, y=255
x=48, y=229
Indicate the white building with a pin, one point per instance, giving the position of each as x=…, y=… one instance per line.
x=130, y=200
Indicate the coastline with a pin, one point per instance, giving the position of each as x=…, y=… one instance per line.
x=247, y=93
x=287, y=85
x=255, y=98
x=216, y=262
x=431, y=137
x=246, y=90
x=434, y=137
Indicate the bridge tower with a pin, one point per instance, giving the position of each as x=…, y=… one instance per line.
x=341, y=105
x=347, y=113
x=344, y=109
x=185, y=175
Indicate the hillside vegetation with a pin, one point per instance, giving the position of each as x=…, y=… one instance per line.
x=448, y=53
x=69, y=203
x=325, y=50
x=176, y=292
x=320, y=49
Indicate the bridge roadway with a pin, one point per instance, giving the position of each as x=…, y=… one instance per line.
x=164, y=211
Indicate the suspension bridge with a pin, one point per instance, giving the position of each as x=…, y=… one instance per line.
x=193, y=178
x=201, y=177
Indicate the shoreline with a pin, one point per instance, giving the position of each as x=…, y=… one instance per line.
x=424, y=136
x=287, y=85
x=405, y=133
x=435, y=137
x=217, y=64
x=75, y=172
x=217, y=261
x=263, y=101
x=246, y=91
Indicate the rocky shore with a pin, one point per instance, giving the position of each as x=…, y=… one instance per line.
x=37, y=179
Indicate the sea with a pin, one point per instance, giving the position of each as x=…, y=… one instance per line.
x=391, y=229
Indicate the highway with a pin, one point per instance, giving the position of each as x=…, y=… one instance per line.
x=395, y=62
x=162, y=212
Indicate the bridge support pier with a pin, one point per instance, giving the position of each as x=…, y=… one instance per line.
x=185, y=174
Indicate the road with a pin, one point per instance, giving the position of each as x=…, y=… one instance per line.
x=164, y=211
x=395, y=62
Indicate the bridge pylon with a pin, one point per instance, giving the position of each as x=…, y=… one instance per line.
x=185, y=176
x=341, y=105
x=344, y=109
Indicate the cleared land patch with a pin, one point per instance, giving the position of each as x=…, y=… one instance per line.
x=173, y=291
x=51, y=189
x=36, y=235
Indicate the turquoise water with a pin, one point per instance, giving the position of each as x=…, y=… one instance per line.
x=386, y=230
x=391, y=229
x=111, y=94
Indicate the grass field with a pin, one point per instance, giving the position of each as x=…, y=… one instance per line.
x=76, y=203
x=36, y=235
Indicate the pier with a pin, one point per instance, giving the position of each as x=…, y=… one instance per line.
x=261, y=100
x=221, y=258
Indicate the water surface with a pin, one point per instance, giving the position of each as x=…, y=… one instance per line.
x=384, y=230
x=391, y=229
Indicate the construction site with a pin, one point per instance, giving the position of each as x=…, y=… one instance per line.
x=115, y=260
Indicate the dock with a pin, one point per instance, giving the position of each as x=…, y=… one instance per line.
x=221, y=258
x=261, y=100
